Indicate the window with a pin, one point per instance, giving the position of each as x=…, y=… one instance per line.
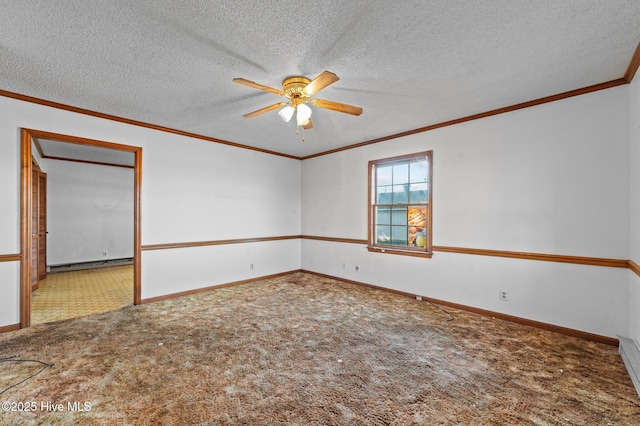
x=400, y=205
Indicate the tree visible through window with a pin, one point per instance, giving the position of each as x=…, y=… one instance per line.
x=400, y=204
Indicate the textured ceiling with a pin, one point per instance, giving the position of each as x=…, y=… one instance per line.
x=409, y=64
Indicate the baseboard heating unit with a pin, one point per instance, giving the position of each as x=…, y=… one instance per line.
x=90, y=265
x=631, y=356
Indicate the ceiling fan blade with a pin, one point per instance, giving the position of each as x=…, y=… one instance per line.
x=308, y=125
x=336, y=106
x=265, y=109
x=324, y=79
x=258, y=86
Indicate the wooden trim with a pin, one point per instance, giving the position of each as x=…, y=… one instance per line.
x=76, y=140
x=27, y=135
x=14, y=257
x=25, y=228
x=8, y=328
x=42, y=134
x=633, y=65
x=214, y=287
x=166, y=246
x=99, y=163
x=426, y=252
x=531, y=323
x=335, y=240
x=137, y=228
x=535, y=102
x=595, y=261
x=35, y=164
x=83, y=111
x=401, y=158
x=370, y=176
x=518, y=320
x=36, y=143
x=635, y=62
x=386, y=250
x=635, y=268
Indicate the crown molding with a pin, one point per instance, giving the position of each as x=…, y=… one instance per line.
x=528, y=104
x=110, y=117
x=634, y=64
x=634, y=267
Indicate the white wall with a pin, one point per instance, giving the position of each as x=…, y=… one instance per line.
x=217, y=192
x=554, y=178
x=634, y=246
x=548, y=179
x=192, y=190
x=89, y=212
x=213, y=265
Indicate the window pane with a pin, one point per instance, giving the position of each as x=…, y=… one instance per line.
x=418, y=192
x=419, y=171
x=399, y=203
x=383, y=234
x=399, y=216
x=417, y=236
x=417, y=216
x=384, y=175
x=400, y=173
x=384, y=194
x=399, y=235
x=383, y=216
x=400, y=194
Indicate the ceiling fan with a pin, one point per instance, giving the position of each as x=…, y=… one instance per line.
x=299, y=90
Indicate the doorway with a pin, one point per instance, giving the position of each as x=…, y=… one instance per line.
x=38, y=225
x=29, y=274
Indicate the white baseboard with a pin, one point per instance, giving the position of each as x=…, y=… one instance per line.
x=631, y=356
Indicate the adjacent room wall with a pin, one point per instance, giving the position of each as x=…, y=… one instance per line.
x=549, y=179
x=191, y=191
x=89, y=212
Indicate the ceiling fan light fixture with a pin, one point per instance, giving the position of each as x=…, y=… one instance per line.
x=286, y=113
x=299, y=91
x=303, y=114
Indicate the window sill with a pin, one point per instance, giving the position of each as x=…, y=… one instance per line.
x=401, y=252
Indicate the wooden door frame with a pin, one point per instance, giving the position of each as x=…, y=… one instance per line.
x=37, y=173
x=27, y=136
x=42, y=224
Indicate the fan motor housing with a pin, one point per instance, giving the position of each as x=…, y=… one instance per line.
x=293, y=87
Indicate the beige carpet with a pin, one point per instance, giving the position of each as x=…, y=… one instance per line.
x=304, y=350
x=71, y=294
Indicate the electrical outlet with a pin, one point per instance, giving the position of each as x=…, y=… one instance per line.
x=504, y=295
x=344, y=266
x=251, y=266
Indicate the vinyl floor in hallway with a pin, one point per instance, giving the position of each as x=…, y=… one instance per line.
x=64, y=295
